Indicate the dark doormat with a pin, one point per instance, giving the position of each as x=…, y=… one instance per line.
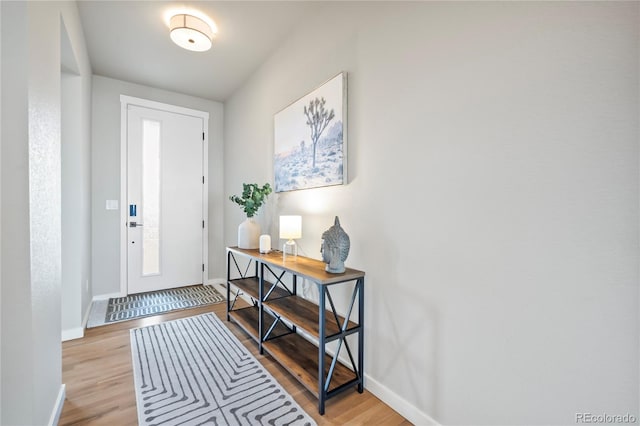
x=156, y=302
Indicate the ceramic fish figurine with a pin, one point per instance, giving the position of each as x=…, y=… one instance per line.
x=335, y=248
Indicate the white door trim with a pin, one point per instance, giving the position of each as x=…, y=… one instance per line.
x=125, y=102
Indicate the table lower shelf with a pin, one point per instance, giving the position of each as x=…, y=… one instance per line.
x=295, y=353
x=300, y=358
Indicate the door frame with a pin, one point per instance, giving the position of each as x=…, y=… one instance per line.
x=125, y=102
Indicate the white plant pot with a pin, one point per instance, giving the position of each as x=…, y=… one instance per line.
x=249, y=234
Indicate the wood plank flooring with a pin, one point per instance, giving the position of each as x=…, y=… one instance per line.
x=98, y=375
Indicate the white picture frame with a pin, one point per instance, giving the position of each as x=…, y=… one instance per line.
x=310, y=139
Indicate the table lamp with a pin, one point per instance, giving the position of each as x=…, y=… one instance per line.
x=290, y=229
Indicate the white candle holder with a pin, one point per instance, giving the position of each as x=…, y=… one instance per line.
x=265, y=243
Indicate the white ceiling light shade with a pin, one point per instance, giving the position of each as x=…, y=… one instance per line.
x=191, y=32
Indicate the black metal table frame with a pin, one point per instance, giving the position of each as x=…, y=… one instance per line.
x=324, y=295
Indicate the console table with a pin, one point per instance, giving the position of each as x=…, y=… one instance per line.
x=293, y=330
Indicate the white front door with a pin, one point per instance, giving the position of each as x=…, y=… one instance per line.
x=165, y=225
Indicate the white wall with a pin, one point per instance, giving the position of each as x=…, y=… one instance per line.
x=1, y=235
x=105, y=172
x=15, y=226
x=16, y=301
x=31, y=210
x=493, y=198
x=76, y=174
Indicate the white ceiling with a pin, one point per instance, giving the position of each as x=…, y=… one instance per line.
x=129, y=40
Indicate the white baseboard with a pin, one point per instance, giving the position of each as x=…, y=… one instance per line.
x=107, y=296
x=72, y=333
x=402, y=406
x=78, y=332
x=87, y=311
x=57, y=409
x=217, y=281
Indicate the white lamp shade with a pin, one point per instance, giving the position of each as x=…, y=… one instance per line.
x=290, y=227
x=190, y=32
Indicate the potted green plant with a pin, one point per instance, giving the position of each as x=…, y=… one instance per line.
x=252, y=198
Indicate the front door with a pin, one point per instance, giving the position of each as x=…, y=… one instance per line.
x=165, y=199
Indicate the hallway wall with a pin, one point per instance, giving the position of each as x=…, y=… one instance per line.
x=492, y=198
x=31, y=254
x=105, y=181
x=76, y=175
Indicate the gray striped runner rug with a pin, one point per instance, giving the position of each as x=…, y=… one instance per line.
x=158, y=302
x=194, y=371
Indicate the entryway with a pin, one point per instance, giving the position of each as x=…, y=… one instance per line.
x=164, y=196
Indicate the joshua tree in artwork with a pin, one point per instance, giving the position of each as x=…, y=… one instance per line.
x=317, y=119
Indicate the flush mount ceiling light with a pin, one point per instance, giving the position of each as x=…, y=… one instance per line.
x=191, y=32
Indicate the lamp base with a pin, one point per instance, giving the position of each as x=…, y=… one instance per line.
x=290, y=248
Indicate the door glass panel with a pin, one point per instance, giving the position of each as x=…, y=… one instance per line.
x=151, y=197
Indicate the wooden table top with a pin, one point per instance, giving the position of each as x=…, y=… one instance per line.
x=306, y=267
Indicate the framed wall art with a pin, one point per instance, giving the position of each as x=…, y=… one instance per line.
x=310, y=139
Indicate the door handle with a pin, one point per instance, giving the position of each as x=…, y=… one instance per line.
x=135, y=224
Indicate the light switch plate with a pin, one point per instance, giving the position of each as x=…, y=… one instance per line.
x=112, y=205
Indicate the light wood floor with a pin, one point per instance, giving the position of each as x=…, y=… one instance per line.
x=99, y=380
